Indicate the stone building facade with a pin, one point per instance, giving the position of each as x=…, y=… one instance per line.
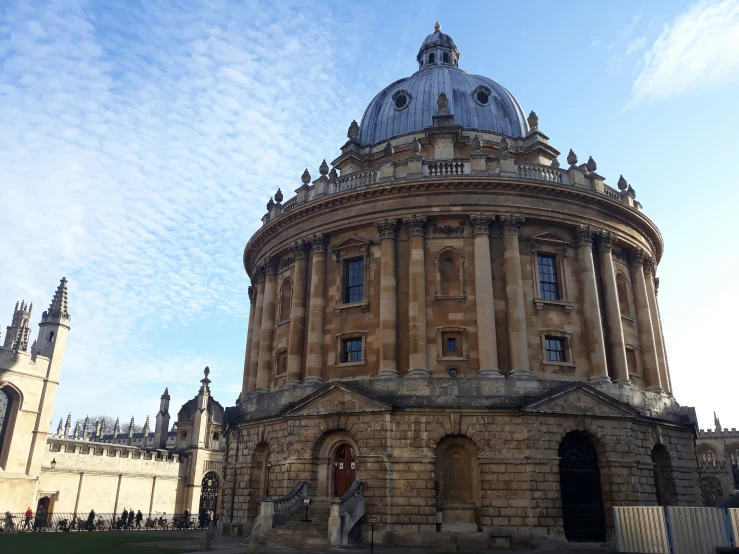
x=87, y=466
x=460, y=324
x=718, y=462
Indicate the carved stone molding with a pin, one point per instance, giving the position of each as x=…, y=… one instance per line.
x=605, y=241
x=271, y=265
x=252, y=291
x=415, y=224
x=511, y=223
x=388, y=228
x=637, y=256
x=319, y=243
x=481, y=223
x=259, y=272
x=584, y=235
x=448, y=230
x=649, y=264
x=286, y=262
x=299, y=249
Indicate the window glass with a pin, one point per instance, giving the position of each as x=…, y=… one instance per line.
x=432, y=58
x=548, y=277
x=555, y=349
x=354, y=287
x=5, y=404
x=451, y=345
x=445, y=57
x=351, y=350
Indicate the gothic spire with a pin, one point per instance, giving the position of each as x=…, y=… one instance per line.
x=58, y=308
x=716, y=422
x=60, y=427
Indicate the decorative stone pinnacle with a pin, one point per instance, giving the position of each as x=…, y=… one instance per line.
x=305, y=177
x=278, y=196
x=333, y=175
x=415, y=224
x=630, y=190
x=387, y=228
x=323, y=169
x=481, y=223
x=476, y=144
x=388, y=151
x=206, y=382
x=166, y=393
x=270, y=204
x=415, y=147
x=533, y=121
x=353, y=131
x=591, y=165
x=443, y=103
x=622, y=184
x=572, y=158
x=437, y=26
x=511, y=223
x=504, y=147
x=555, y=163
x=58, y=307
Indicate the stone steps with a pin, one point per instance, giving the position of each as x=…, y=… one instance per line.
x=297, y=533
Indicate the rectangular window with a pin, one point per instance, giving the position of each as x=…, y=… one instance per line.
x=548, y=277
x=555, y=349
x=281, y=368
x=354, y=282
x=451, y=345
x=351, y=350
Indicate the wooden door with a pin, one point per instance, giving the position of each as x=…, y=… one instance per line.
x=344, y=469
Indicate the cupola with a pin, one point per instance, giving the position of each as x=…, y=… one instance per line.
x=438, y=49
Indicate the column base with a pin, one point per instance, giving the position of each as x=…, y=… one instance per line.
x=313, y=380
x=260, y=391
x=521, y=374
x=291, y=383
x=656, y=388
x=387, y=373
x=624, y=382
x=489, y=373
x=418, y=372
x=600, y=379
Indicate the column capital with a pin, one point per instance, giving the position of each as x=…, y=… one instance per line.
x=271, y=263
x=481, y=223
x=318, y=243
x=584, y=235
x=656, y=285
x=387, y=228
x=605, y=240
x=252, y=291
x=415, y=224
x=511, y=223
x=649, y=264
x=637, y=257
x=299, y=249
x=259, y=272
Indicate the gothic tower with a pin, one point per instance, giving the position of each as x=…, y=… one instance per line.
x=162, y=423
x=19, y=331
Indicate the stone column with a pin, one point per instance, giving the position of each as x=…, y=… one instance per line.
x=417, y=358
x=297, y=315
x=649, y=265
x=667, y=384
x=515, y=310
x=614, y=327
x=256, y=329
x=314, y=358
x=591, y=306
x=264, y=371
x=388, y=299
x=487, y=343
x=644, y=322
x=249, y=338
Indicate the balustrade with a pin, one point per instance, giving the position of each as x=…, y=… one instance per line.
x=355, y=180
x=441, y=169
x=287, y=505
x=542, y=173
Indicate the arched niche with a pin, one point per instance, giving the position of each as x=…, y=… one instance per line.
x=664, y=480
x=449, y=273
x=622, y=288
x=457, y=484
x=286, y=299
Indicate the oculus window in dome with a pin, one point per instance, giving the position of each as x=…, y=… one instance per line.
x=407, y=105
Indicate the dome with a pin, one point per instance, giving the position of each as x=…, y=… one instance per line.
x=407, y=105
x=187, y=412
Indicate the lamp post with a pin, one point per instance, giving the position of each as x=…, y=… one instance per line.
x=266, y=488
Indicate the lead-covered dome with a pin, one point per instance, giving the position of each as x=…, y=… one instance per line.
x=407, y=105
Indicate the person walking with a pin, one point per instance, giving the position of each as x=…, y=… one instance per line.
x=28, y=518
x=124, y=519
x=131, y=515
x=139, y=517
x=40, y=521
x=90, y=524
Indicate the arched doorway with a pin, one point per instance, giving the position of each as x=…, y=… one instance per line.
x=209, y=494
x=457, y=485
x=345, y=469
x=582, y=498
x=664, y=481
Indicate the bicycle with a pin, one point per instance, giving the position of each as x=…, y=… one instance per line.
x=8, y=526
x=25, y=526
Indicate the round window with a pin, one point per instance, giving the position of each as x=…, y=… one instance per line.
x=453, y=372
x=401, y=101
x=482, y=97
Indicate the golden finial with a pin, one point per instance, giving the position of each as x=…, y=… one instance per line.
x=437, y=27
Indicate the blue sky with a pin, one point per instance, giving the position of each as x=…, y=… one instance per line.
x=140, y=141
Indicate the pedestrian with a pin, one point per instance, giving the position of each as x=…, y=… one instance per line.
x=202, y=517
x=40, y=522
x=29, y=516
x=139, y=517
x=90, y=520
x=124, y=519
x=131, y=515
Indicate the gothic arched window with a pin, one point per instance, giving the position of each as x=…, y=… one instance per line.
x=706, y=454
x=9, y=404
x=711, y=490
x=286, y=299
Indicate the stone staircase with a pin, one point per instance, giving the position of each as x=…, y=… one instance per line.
x=297, y=533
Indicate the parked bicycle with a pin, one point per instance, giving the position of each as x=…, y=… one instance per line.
x=7, y=525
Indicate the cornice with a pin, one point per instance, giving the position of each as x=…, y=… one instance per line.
x=518, y=187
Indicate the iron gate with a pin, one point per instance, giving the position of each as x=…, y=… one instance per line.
x=582, y=501
x=209, y=493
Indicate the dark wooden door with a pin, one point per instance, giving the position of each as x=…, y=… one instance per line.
x=582, y=500
x=344, y=469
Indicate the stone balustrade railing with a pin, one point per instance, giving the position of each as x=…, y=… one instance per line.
x=431, y=169
x=345, y=513
x=287, y=505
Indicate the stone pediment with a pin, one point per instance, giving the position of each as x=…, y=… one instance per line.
x=550, y=236
x=356, y=242
x=336, y=399
x=580, y=399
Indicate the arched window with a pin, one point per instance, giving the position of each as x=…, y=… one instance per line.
x=286, y=298
x=711, y=490
x=9, y=404
x=664, y=480
x=432, y=58
x=445, y=57
x=706, y=454
x=450, y=275
x=623, y=295
x=734, y=454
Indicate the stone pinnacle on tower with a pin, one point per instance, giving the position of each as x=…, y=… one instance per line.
x=716, y=422
x=60, y=427
x=68, y=424
x=58, y=308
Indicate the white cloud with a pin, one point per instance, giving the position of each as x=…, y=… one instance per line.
x=632, y=25
x=700, y=48
x=636, y=45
